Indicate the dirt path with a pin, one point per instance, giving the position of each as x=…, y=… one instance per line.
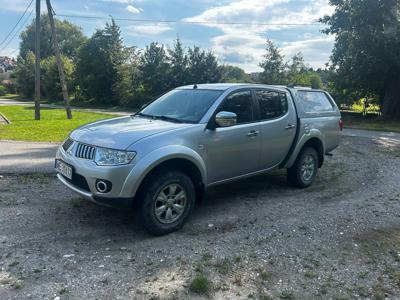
x=258, y=238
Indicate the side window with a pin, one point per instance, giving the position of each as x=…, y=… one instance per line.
x=272, y=104
x=314, y=101
x=241, y=104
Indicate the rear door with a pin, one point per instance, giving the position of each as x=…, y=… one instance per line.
x=278, y=121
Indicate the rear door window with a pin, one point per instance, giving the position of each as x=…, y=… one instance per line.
x=314, y=102
x=272, y=104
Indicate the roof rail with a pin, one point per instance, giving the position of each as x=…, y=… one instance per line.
x=293, y=86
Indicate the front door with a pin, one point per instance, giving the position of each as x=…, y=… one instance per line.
x=234, y=151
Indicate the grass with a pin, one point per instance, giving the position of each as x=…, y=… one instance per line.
x=223, y=266
x=201, y=285
x=53, y=126
x=355, y=121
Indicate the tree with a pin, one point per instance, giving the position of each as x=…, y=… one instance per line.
x=51, y=86
x=70, y=38
x=128, y=87
x=98, y=64
x=297, y=71
x=24, y=74
x=154, y=69
x=203, y=66
x=273, y=65
x=366, y=54
x=178, y=61
x=315, y=80
x=212, y=70
x=233, y=74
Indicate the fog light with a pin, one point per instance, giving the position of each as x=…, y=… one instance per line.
x=103, y=186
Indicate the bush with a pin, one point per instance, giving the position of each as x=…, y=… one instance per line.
x=51, y=80
x=9, y=86
x=358, y=106
x=2, y=90
x=201, y=285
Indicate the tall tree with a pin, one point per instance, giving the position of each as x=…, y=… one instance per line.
x=24, y=74
x=178, y=61
x=98, y=64
x=366, y=54
x=213, y=73
x=196, y=65
x=234, y=74
x=127, y=88
x=203, y=66
x=273, y=65
x=297, y=72
x=70, y=38
x=51, y=85
x=154, y=69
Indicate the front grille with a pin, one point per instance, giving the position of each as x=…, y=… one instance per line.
x=85, y=151
x=78, y=181
x=68, y=142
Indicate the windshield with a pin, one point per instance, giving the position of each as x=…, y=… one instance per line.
x=181, y=105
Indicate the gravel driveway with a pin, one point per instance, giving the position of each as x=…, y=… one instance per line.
x=253, y=239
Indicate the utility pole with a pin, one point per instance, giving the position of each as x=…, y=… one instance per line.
x=37, y=62
x=60, y=64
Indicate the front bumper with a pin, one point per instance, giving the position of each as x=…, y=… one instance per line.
x=109, y=202
x=88, y=173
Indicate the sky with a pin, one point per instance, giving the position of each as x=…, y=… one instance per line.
x=241, y=45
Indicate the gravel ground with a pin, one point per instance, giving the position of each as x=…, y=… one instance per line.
x=253, y=239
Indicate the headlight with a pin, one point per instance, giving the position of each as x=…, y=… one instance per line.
x=110, y=157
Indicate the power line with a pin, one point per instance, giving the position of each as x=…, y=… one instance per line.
x=17, y=23
x=188, y=22
x=13, y=52
x=17, y=31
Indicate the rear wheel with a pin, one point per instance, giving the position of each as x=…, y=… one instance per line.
x=167, y=200
x=304, y=170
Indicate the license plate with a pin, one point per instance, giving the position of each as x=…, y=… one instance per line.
x=64, y=169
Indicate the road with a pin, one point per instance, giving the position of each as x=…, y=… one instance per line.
x=95, y=110
x=30, y=157
x=26, y=157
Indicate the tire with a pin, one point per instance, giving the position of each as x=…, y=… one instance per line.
x=304, y=170
x=167, y=199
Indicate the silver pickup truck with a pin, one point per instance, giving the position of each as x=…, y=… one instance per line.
x=166, y=155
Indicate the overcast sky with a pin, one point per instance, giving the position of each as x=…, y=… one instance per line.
x=241, y=45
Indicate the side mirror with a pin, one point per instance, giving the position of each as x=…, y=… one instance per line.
x=225, y=119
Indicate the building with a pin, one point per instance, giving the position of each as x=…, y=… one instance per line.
x=7, y=63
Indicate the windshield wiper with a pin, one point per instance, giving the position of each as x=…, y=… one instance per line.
x=142, y=115
x=158, y=117
x=167, y=118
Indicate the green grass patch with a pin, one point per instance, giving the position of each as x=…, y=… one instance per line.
x=201, y=285
x=53, y=126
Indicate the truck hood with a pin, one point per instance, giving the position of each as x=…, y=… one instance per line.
x=120, y=133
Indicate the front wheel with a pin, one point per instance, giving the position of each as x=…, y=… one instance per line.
x=167, y=201
x=304, y=170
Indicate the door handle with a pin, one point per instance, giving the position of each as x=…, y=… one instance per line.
x=253, y=133
x=290, y=126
